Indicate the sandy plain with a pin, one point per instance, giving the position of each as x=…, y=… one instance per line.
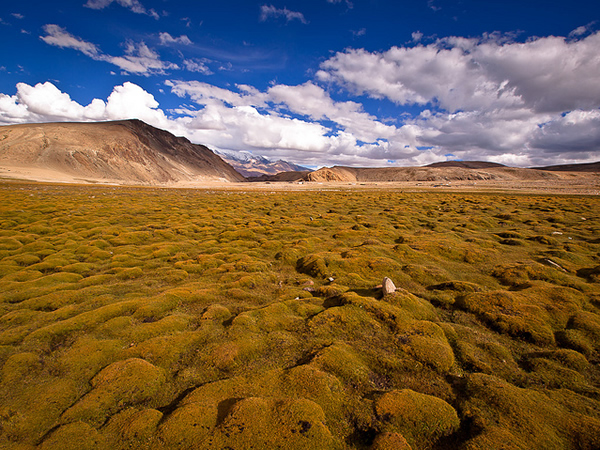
x=567, y=183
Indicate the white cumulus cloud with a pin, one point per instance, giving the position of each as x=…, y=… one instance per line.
x=527, y=103
x=575, y=131
x=133, y=5
x=299, y=122
x=314, y=102
x=167, y=39
x=44, y=102
x=195, y=65
x=138, y=58
x=60, y=37
x=544, y=74
x=271, y=12
x=489, y=98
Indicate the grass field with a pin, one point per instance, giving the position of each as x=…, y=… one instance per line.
x=153, y=318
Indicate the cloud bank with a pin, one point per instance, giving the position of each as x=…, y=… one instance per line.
x=549, y=74
x=502, y=100
x=520, y=103
x=44, y=102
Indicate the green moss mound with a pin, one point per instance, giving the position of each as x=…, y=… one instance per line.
x=420, y=418
x=124, y=383
x=273, y=423
x=527, y=418
x=156, y=318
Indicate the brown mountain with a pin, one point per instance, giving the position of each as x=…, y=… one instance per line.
x=585, y=167
x=466, y=164
x=288, y=177
x=444, y=173
x=125, y=152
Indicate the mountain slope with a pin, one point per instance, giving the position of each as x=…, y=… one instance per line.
x=127, y=152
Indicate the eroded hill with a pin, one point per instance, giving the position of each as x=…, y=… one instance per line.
x=126, y=152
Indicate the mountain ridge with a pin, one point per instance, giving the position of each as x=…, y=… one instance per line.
x=584, y=167
x=443, y=172
x=466, y=164
x=125, y=151
x=256, y=166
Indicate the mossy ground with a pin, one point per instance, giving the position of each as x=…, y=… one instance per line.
x=153, y=318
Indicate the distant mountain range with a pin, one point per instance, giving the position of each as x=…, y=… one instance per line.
x=250, y=165
x=444, y=172
x=466, y=164
x=586, y=167
x=133, y=152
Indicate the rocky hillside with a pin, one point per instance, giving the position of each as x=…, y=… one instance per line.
x=126, y=152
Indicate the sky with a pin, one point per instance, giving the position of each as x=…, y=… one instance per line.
x=363, y=83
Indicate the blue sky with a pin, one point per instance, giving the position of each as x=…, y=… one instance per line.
x=318, y=82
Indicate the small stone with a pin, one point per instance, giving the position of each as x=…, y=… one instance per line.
x=388, y=286
x=331, y=279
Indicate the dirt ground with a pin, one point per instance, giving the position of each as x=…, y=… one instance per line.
x=569, y=183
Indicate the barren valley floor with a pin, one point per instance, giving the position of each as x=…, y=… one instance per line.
x=524, y=181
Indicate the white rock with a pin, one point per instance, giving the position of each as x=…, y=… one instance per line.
x=388, y=286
